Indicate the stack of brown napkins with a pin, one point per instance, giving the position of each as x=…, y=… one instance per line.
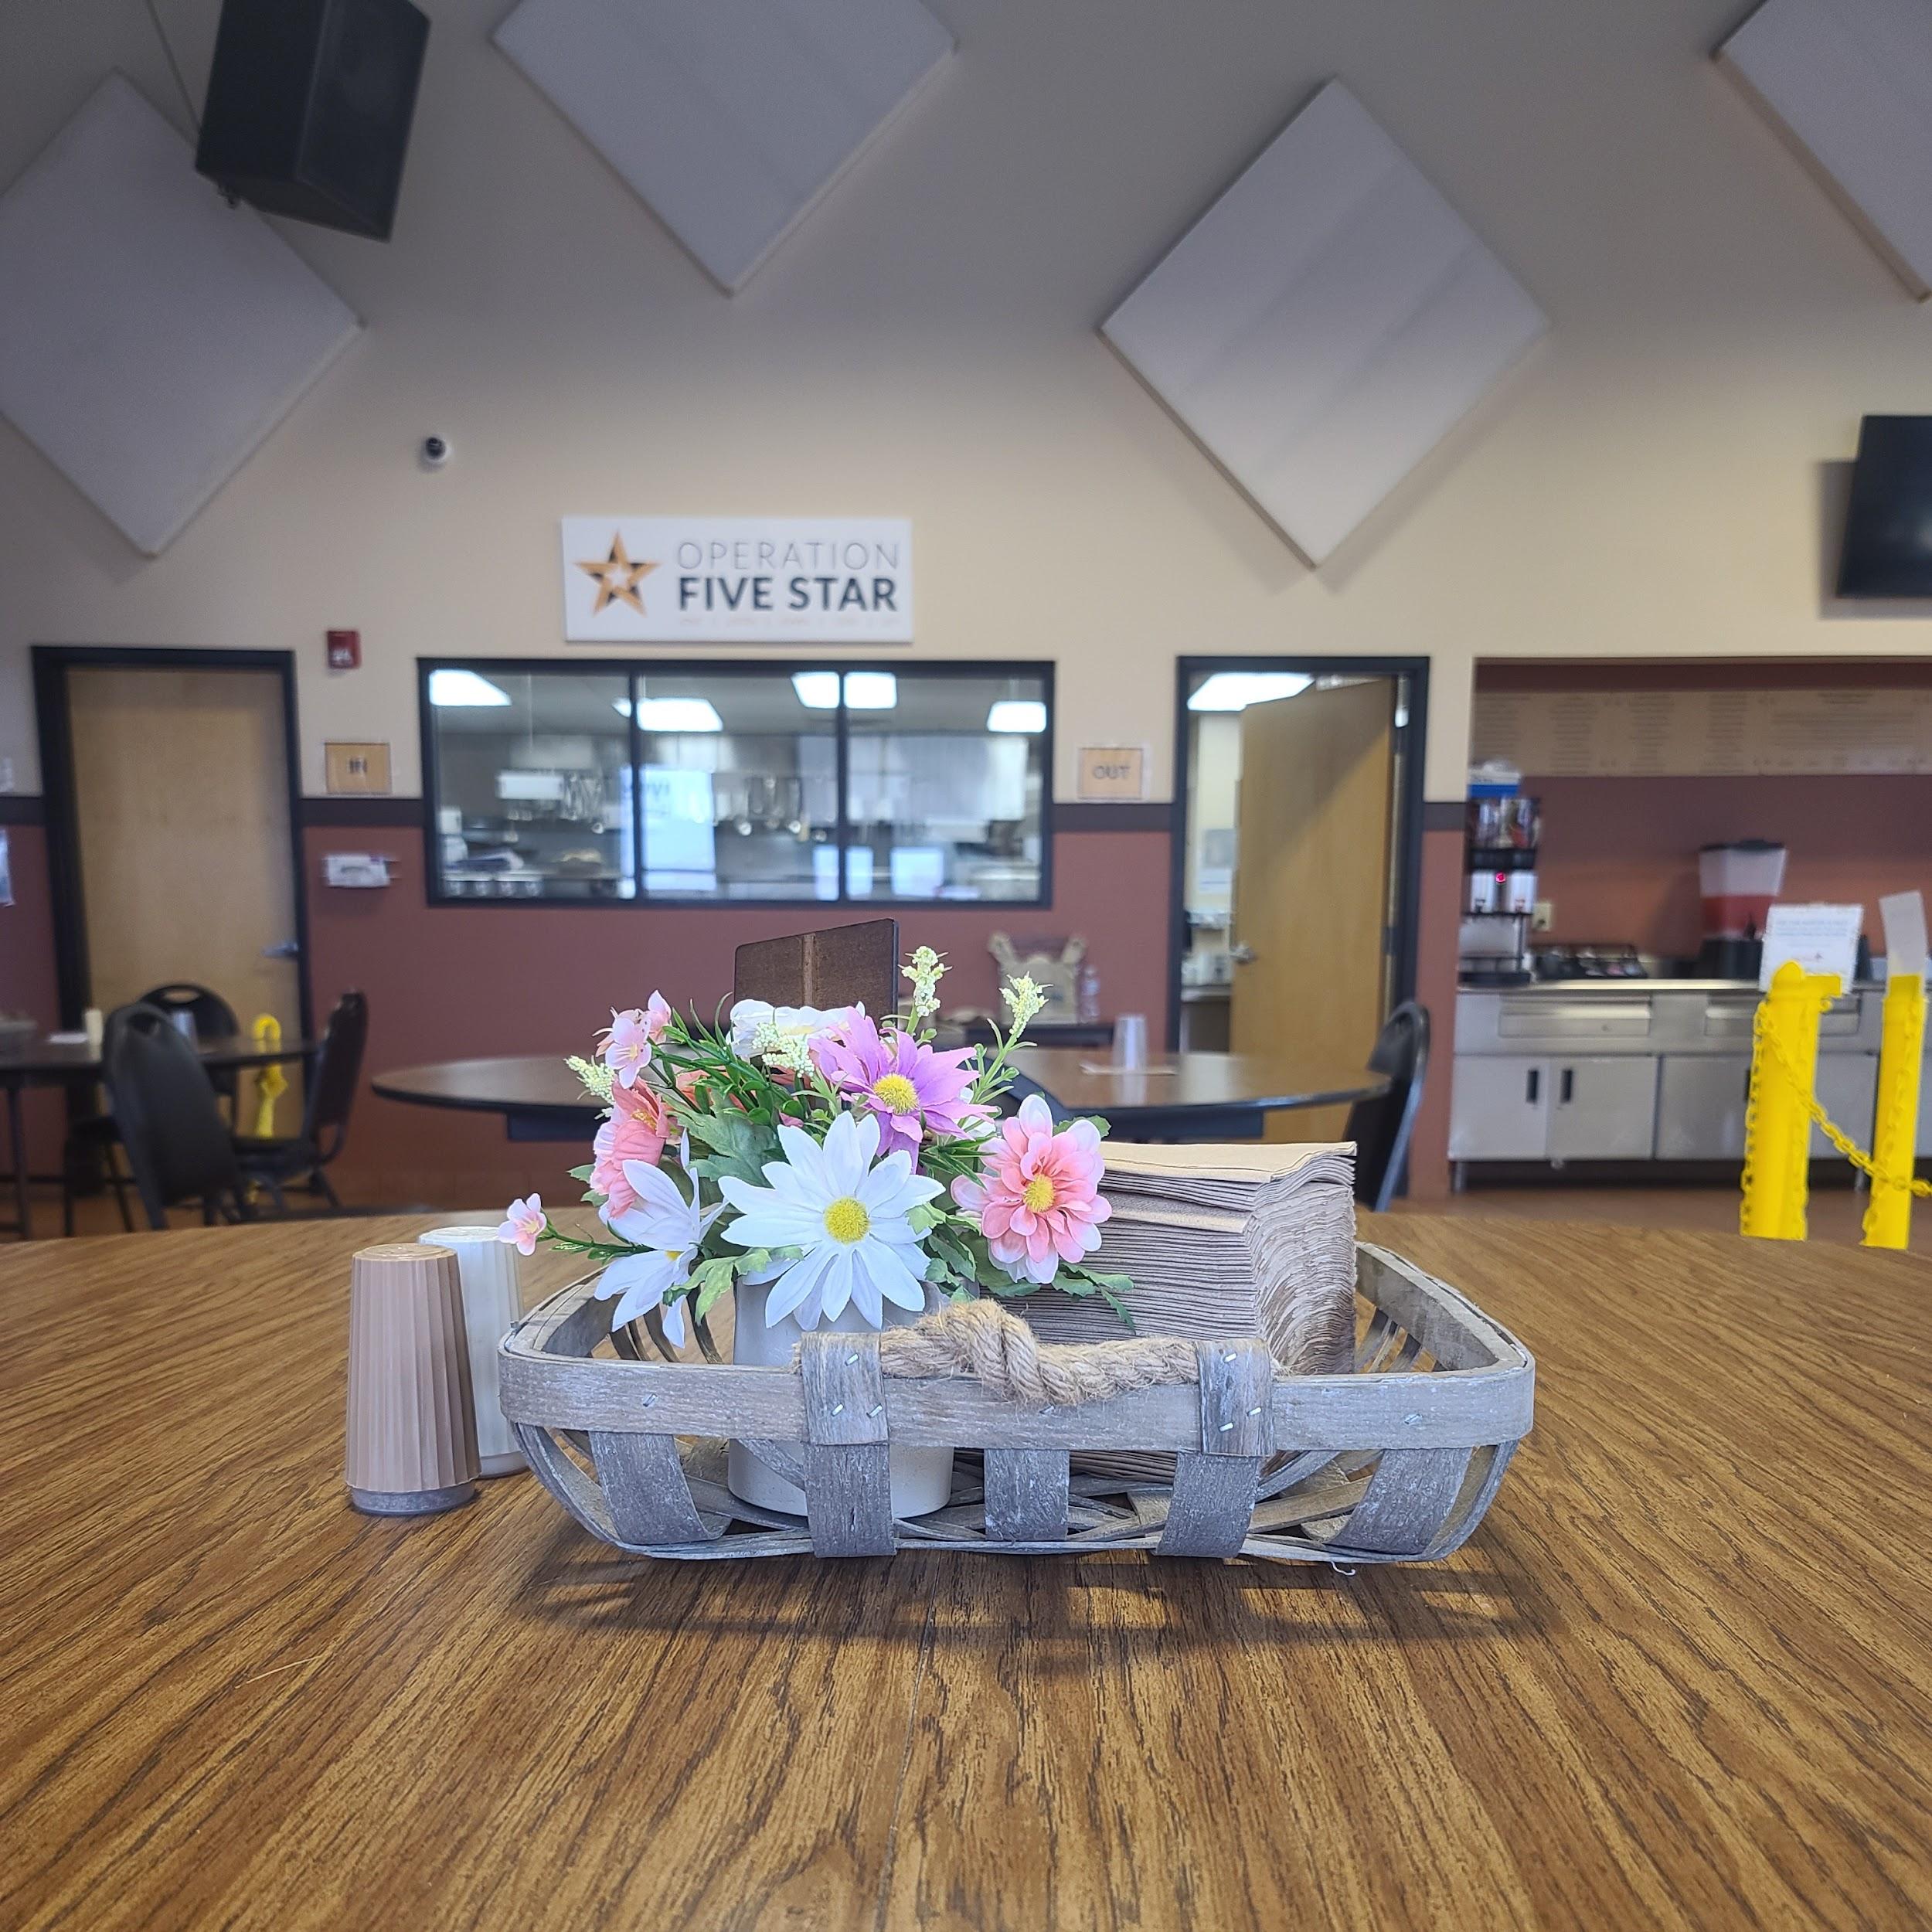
x=1238, y=1239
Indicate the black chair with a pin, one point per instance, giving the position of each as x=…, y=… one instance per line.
x=92, y=1149
x=214, y=1019
x=1381, y=1127
x=177, y=1142
x=276, y=1163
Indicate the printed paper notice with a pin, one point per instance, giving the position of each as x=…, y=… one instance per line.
x=1904, y=916
x=1822, y=939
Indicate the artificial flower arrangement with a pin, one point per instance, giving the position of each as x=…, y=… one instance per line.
x=837, y=1160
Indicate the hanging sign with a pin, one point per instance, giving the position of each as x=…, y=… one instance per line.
x=775, y=580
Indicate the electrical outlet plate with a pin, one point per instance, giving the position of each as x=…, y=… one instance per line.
x=1543, y=916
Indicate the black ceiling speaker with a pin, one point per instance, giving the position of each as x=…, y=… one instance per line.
x=308, y=107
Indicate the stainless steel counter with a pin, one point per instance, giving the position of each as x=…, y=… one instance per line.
x=1637, y=1069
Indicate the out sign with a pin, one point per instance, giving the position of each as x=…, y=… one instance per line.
x=1113, y=771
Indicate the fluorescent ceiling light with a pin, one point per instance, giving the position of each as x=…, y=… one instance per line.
x=1017, y=714
x=678, y=714
x=464, y=688
x=1236, y=690
x=871, y=691
x=865, y=690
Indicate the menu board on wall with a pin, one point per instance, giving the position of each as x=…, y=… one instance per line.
x=1660, y=734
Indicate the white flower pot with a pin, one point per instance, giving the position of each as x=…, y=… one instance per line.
x=922, y=1479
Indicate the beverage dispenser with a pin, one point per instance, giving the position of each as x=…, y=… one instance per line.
x=1738, y=880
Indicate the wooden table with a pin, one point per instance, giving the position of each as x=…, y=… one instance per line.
x=1208, y=1096
x=41, y=1060
x=1198, y=1097
x=1682, y=1676
x=538, y=1096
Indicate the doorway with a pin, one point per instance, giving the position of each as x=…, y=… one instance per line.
x=171, y=783
x=1298, y=857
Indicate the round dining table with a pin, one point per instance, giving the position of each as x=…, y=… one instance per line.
x=63, y=1059
x=1188, y=1096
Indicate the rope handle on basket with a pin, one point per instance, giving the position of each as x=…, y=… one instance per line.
x=981, y=1339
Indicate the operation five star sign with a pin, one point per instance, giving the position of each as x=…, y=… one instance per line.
x=664, y=580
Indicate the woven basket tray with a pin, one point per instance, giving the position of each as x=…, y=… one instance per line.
x=1395, y=1463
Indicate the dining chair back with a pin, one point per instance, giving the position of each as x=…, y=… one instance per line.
x=170, y=1125
x=332, y=1080
x=214, y=1019
x=1381, y=1127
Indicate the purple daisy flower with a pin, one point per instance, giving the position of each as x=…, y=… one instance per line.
x=914, y=1090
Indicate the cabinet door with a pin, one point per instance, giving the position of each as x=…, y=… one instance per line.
x=1499, y=1108
x=1604, y=1110
x=1700, y=1107
x=1848, y=1089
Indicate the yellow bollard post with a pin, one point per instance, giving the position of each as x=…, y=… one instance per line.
x=1777, y=1118
x=1895, y=1139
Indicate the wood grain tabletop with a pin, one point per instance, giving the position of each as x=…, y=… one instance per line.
x=1682, y=1676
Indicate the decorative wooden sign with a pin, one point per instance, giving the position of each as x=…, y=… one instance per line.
x=356, y=767
x=1113, y=771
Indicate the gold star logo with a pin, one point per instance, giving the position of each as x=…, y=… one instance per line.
x=618, y=578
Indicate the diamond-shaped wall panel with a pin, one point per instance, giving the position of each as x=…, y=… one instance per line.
x=729, y=117
x=151, y=336
x=1325, y=323
x=1849, y=83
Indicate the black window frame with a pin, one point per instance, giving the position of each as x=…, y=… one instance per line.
x=962, y=669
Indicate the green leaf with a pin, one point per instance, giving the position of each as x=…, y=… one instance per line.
x=583, y=1173
x=714, y=1279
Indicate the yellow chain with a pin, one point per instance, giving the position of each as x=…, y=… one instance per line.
x=1774, y=1052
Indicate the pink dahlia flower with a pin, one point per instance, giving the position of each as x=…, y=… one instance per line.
x=913, y=1090
x=636, y=1131
x=1038, y=1200
x=627, y=1040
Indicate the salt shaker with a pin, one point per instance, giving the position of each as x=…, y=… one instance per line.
x=491, y=1308
x=412, y=1417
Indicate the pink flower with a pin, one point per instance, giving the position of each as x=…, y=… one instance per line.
x=628, y=1039
x=636, y=1131
x=914, y=1090
x=1038, y=1201
x=523, y=1221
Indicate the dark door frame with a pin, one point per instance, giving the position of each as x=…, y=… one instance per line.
x=52, y=662
x=1411, y=742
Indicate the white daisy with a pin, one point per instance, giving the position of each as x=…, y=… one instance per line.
x=847, y=1214
x=784, y=1034
x=666, y=1228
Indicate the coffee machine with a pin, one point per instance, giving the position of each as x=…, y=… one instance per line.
x=1500, y=837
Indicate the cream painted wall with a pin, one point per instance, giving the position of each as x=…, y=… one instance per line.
x=1651, y=482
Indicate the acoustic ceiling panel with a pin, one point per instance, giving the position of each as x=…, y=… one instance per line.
x=1849, y=83
x=729, y=117
x=1325, y=323
x=151, y=336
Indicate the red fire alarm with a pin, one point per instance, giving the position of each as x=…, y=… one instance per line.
x=345, y=650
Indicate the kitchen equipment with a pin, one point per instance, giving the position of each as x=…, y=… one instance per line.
x=1588, y=959
x=1500, y=838
x=1737, y=881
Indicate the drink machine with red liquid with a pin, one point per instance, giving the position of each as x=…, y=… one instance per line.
x=1738, y=881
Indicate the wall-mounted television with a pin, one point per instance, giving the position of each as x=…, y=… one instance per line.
x=1888, y=529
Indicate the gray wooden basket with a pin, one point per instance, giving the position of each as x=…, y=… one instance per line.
x=1396, y=1462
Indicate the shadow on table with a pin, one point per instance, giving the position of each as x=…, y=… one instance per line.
x=1065, y=1609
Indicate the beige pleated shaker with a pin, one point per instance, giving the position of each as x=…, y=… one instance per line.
x=492, y=1304
x=412, y=1417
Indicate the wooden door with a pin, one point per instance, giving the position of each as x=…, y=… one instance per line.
x=1311, y=880
x=180, y=798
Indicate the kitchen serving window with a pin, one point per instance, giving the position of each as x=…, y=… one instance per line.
x=734, y=784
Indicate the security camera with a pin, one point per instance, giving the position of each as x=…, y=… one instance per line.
x=436, y=452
